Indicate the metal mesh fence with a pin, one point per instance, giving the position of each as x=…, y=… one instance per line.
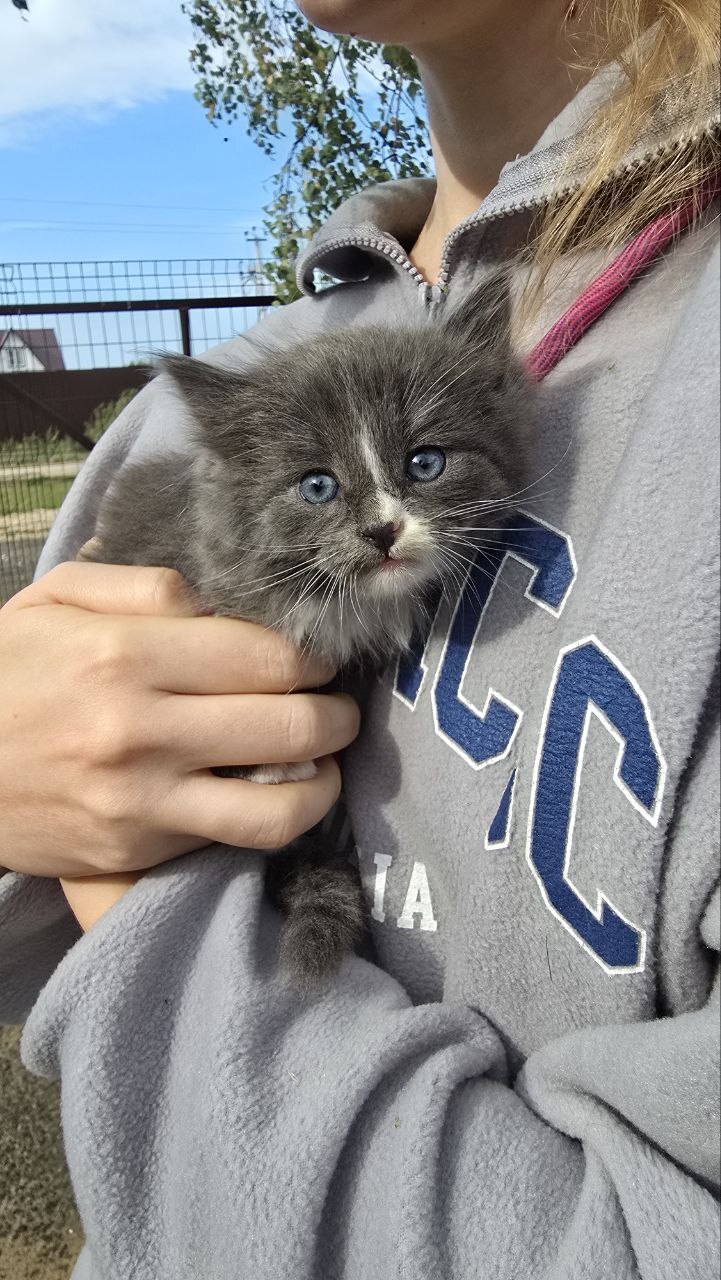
x=75, y=342
x=141, y=279
x=34, y=479
x=87, y=321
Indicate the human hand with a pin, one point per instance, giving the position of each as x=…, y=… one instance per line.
x=117, y=699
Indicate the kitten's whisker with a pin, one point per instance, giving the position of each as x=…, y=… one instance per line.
x=355, y=603
x=361, y=623
x=487, y=508
x=456, y=579
x=474, y=563
x=485, y=543
x=482, y=528
x=279, y=622
x=276, y=573
x=366, y=627
x=327, y=592
x=279, y=576
x=512, y=499
x=508, y=499
x=539, y=479
x=324, y=605
x=465, y=588
x=460, y=545
x=483, y=506
x=341, y=600
x=279, y=546
x=464, y=568
x=471, y=358
x=306, y=589
x=411, y=386
x=276, y=579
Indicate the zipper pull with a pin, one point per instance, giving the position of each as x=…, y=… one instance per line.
x=432, y=295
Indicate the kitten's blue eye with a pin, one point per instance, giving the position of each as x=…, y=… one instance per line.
x=426, y=464
x=318, y=487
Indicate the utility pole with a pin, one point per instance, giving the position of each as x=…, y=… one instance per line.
x=253, y=237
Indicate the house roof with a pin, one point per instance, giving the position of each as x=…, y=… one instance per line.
x=42, y=342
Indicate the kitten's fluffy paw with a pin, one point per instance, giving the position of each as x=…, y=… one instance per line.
x=268, y=773
x=272, y=773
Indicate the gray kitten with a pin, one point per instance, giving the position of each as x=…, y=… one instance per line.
x=332, y=487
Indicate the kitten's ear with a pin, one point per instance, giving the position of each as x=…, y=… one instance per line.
x=483, y=318
x=210, y=391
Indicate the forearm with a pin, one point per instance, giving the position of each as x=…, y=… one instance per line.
x=89, y=897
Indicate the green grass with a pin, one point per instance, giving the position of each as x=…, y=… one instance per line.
x=51, y=447
x=29, y=495
x=18, y=494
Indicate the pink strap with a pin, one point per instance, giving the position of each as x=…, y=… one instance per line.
x=648, y=245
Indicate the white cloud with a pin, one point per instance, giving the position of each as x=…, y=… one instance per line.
x=75, y=57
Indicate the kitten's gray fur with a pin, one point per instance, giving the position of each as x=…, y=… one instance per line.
x=355, y=404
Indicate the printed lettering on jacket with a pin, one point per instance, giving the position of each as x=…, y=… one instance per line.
x=589, y=682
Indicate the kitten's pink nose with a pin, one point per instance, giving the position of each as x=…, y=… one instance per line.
x=383, y=535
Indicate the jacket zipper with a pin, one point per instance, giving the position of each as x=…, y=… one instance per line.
x=428, y=292
x=477, y=219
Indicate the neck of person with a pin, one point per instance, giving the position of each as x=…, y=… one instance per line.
x=489, y=97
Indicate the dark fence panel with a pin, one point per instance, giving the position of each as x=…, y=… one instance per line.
x=63, y=400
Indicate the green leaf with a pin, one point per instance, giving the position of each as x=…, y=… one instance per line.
x=303, y=97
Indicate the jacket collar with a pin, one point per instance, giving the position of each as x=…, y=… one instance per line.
x=381, y=224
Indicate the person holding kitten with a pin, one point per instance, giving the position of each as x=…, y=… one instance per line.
x=516, y=1072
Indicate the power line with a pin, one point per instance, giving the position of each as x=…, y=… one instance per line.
x=99, y=231
x=120, y=228
x=116, y=204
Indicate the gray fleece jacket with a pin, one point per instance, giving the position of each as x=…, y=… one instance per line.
x=525, y=1082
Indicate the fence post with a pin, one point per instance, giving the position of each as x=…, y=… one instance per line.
x=184, y=314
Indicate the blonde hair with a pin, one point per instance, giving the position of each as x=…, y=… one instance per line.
x=668, y=53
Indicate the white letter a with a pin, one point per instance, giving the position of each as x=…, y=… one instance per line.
x=418, y=902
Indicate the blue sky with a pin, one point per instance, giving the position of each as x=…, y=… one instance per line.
x=104, y=152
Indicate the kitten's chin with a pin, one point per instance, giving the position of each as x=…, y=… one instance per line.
x=392, y=579
x=374, y=620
